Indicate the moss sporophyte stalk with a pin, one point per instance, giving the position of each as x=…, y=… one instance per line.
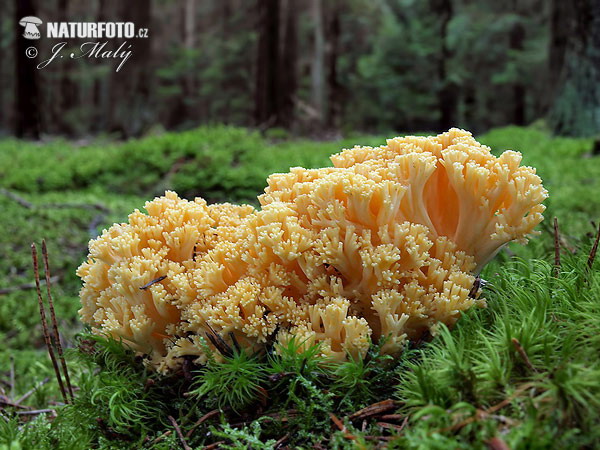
x=387, y=242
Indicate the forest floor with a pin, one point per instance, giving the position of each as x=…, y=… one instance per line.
x=524, y=372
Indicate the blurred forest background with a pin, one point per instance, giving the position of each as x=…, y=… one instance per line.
x=318, y=68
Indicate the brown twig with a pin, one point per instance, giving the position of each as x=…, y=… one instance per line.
x=17, y=198
x=523, y=354
x=281, y=441
x=12, y=376
x=392, y=417
x=31, y=391
x=488, y=412
x=374, y=409
x=201, y=420
x=379, y=438
x=36, y=412
x=497, y=443
x=5, y=401
x=213, y=446
x=26, y=204
x=340, y=425
x=391, y=426
x=592, y=257
x=556, y=248
x=23, y=287
x=161, y=437
x=179, y=433
x=36, y=272
x=57, y=342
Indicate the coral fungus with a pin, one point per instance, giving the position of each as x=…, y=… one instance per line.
x=385, y=243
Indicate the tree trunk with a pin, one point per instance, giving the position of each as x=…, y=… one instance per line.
x=561, y=17
x=448, y=93
x=576, y=108
x=131, y=87
x=100, y=95
x=189, y=41
x=67, y=100
x=288, y=80
x=27, y=115
x=318, y=61
x=516, y=38
x=333, y=85
x=267, y=65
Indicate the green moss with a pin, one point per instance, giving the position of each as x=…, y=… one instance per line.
x=550, y=400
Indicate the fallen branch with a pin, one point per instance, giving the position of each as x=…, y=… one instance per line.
x=28, y=205
x=36, y=412
x=31, y=391
x=374, y=409
x=24, y=287
x=20, y=200
x=391, y=426
x=201, y=420
x=392, y=417
x=280, y=442
x=340, y=425
x=179, y=433
x=480, y=415
x=161, y=437
x=5, y=401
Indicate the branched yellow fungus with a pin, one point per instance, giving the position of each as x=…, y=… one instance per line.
x=385, y=243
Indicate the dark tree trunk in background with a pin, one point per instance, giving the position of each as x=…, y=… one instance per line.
x=189, y=43
x=27, y=118
x=576, y=108
x=267, y=66
x=516, y=38
x=318, y=61
x=100, y=95
x=333, y=85
x=448, y=93
x=288, y=80
x=131, y=85
x=225, y=32
x=67, y=99
x=561, y=16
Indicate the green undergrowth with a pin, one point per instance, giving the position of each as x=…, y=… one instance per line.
x=525, y=370
x=218, y=163
x=72, y=192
